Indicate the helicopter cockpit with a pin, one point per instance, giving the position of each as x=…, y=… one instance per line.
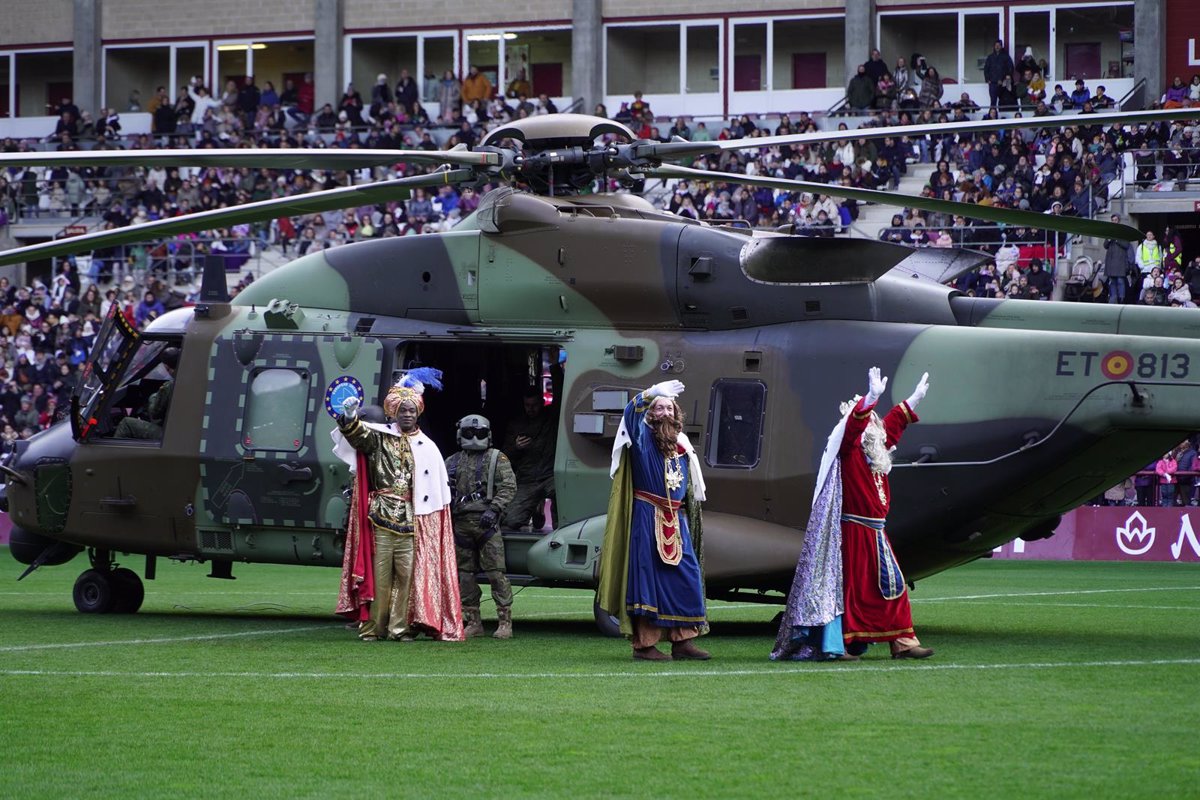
x=126, y=377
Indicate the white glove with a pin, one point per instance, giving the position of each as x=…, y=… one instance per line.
x=919, y=393
x=875, y=386
x=350, y=407
x=671, y=389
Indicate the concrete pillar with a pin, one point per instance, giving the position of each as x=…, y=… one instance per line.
x=860, y=35
x=88, y=52
x=1149, y=60
x=587, y=55
x=327, y=53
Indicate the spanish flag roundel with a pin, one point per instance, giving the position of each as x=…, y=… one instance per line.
x=1116, y=365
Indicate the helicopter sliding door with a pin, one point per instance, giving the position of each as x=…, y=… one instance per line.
x=270, y=487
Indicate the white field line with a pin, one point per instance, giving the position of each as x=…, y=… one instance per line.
x=331, y=625
x=782, y=670
x=1095, y=605
x=18, y=648
x=1052, y=594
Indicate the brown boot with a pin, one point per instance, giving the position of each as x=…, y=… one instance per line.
x=687, y=650
x=913, y=652
x=504, y=629
x=650, y=654
x=472, y=622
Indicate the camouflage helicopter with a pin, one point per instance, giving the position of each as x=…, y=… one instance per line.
x=1037, y=406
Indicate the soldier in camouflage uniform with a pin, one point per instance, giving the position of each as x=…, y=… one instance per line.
x=156, y=407
x=483, y=485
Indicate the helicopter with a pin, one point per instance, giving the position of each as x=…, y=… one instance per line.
x=1036, y=407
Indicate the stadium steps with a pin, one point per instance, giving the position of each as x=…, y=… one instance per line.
x=874, y=218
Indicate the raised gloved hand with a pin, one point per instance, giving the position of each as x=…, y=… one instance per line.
x=488, y=519
x=919, y=393
x=350, y=407
x=671, y=389
x=876, y=384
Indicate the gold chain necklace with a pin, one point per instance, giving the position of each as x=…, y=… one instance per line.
x=674, y=473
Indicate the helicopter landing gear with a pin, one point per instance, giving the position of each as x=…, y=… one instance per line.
x=94, y=592
x=130, y=592
x=106, y=588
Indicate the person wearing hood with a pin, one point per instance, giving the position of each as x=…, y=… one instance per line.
x=860, y=93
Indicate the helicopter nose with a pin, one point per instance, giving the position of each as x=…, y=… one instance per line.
x=9, y=458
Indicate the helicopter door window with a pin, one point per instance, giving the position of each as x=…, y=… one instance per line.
x=735, y=424
x=276, y=410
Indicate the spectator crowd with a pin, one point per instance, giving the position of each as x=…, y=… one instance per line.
x=1058, y=167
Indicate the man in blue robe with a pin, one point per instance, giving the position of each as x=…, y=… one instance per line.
x=650, y=573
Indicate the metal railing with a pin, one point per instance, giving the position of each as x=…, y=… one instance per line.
x=178, y=261
x=1151, y=166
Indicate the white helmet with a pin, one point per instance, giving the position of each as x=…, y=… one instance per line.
x=474, y=432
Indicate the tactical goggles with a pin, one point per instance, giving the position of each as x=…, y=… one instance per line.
x=475, y=433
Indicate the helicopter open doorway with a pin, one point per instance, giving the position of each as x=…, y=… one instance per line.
x=491, y=379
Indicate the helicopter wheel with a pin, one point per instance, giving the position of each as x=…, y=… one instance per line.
x=607, y=623
x=128, y=589
x=94, y=592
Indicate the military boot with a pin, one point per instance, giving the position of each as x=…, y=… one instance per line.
x=472, y=622
x=504, y=629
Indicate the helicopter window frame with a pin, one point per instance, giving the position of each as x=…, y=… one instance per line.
x=302, y=388
x=719, y=401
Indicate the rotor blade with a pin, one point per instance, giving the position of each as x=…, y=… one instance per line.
x=1008, y=216
x=295, y=158
x=693, y=149
x=310, y=203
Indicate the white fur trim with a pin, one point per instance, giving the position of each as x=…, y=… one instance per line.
x=431, y=482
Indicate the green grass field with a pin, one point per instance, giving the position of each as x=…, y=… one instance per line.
x=1050, y=680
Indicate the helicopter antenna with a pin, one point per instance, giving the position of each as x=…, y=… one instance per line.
x=213, y=288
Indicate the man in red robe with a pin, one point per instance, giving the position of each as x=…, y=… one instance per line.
x=876, y=599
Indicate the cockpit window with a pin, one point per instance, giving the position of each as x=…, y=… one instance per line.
x=103, y=370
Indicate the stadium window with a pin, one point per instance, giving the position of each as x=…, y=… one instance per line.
x=642, y=58
x=42, y=79
x=703, y=59
x=808, y=53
